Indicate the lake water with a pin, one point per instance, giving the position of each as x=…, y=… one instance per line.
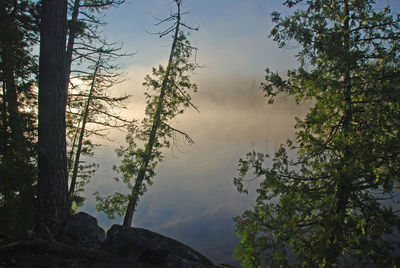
x=193, y=198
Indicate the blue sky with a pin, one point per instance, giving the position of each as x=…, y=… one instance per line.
x=193, y=198
x=232, y=32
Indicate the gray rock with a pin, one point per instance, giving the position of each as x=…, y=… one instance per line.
x=148, y=249
x=81, y=229
x=129, y=247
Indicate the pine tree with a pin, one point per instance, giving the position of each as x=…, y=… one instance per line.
x=52, y=162
x=18, y=68
x=91, y=111
x=167, y=96
x=91, y=108
x=334, y=203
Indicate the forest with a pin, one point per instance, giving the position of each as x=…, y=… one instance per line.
x=327, y=197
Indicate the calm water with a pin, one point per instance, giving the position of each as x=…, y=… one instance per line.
x=193, y=198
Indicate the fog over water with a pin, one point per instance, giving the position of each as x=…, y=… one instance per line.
x=193, y=198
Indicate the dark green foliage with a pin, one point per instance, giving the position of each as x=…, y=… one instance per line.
x=18, y=68
x=330, y=197
x=18, y=106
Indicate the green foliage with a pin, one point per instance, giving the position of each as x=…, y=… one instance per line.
x=167, y=96
x=18, y=104
x=112, y=204
x=18, y=68
x=329, y=198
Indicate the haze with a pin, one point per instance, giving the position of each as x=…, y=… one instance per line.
x=193, y=198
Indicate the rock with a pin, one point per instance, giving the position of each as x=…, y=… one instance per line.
x=150, y=249
x=123, y=248
x=154, y=256
x=81, y=229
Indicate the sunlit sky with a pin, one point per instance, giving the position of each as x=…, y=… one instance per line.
x=193, y=198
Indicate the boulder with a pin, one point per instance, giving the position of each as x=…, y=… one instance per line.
x=83, y=244
x=81, y=229
x=148, y=249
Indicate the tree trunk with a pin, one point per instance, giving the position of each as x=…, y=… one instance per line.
x=82, y=132
x=68, y=64
x=9, y=60
x=3, y=132
x=133, y=200
x=71, y=40
x=53, y=178
x=343, y=180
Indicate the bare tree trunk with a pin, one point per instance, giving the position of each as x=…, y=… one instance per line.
x=71, y=40
x=53, y=178
x=71, y=152
x=82, y=132
x=14, y=121
x=68, y=63
x=10, y=97
x=3, y=132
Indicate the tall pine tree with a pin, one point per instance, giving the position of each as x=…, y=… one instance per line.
x=335, y=202
x=18, y=68
x=167, y=96
x=52, y=162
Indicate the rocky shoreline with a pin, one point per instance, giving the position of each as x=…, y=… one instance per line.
x=82, y=243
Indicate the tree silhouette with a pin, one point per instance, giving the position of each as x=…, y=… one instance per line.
x=335, y=202
x=167, y=97
x=52, y=162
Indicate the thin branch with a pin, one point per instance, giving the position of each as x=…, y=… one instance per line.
x=188, y=138
x=183, y=94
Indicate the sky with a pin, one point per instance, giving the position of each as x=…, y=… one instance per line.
x=193, y=198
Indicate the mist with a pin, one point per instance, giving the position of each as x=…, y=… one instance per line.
x=193, y=198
